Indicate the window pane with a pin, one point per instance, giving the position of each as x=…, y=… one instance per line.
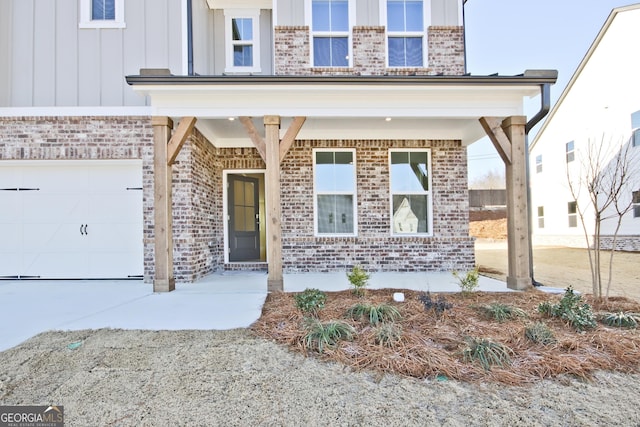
x=540, y=210
x=339, y=52
x=409, y=172
x=636, y=196
x=322, y=51
x=413, y=51
x=636, y=138
x=338, y=175
x=635, y=120
x=340, y=15
x=242, y=29
x=540, y=222
x=571, y=207
x=320, y=15
x=410, y=214
x=395, y=15
x=414, y=16
x=335, y=214
x=243, y=56
x=103, y=10
x=396, y=51
x=573, y=221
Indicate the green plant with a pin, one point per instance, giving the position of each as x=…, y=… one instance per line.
x=440, y=305
x=502, y=312
x=621, y=319
x=359, y=279
x=467, y=282
x=375, y=313
x=310, y=301
x=571, y=308
x=388, y=334
x=320, y=334
x=539, y=333
x=487, y=353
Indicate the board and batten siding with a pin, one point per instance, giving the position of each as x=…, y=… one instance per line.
x=443, y=12
x=53, y=62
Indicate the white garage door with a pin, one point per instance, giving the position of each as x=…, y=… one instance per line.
x=71, y=219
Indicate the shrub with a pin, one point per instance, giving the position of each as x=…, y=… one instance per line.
x=439, y=306
x=388, y=334
x=487, y=353
x=570, y=308
x=359, y=279
x=375, y=313
x=621, y=319
x=310, y=301
x=320, y=334
x=467, y=282
x=539, y=333
x=502, y=312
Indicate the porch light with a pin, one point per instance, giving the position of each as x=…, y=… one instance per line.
x=387, y=119
x=231, y=118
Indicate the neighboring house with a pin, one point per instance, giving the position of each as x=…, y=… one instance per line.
x=601, y=105
x=310, y=135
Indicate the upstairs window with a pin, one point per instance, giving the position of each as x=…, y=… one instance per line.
x=410, y=180
x=330, y=33
x=636, y=204
x=102, y=14
x=540, y=216
x=572, y=211
x=570, y=153
x=405, y=33
x=539, y=163
x=241, y=39
x=635, y=126
x=335, y=192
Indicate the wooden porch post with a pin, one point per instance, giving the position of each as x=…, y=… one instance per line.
x=275, y=280
x=163, y=280
x=508, y=136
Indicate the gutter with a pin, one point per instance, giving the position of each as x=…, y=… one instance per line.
x=189, y=38
x=163, y=77
x=545, y=106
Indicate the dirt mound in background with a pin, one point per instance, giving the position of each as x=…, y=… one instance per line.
x=488, y=224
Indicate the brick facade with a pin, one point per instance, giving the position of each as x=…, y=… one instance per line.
x=445, y=53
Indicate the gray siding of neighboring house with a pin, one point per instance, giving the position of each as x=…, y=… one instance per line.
x=290, y=12
x=445, y=12
x=53, y=62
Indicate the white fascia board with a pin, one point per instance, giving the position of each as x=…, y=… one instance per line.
x=74, y=111
x=336, y=100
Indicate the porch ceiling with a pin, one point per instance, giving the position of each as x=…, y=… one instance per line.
x=348, y=107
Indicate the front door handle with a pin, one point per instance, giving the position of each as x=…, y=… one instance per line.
x=83, y=229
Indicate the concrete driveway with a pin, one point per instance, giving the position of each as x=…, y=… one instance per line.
x=219, y=301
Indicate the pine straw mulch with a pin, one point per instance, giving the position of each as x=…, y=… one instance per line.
x=431, y=346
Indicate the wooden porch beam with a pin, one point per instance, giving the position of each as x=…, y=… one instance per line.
x=290, y=136
x=255, y=137
x=163, y=280
x=179, y=138
x=275, y=282
x=493, y=127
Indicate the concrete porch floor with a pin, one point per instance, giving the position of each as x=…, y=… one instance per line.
x=219, y=301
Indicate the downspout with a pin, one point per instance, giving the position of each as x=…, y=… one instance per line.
x=189, y=38
x=545, y=106
x=464, y=37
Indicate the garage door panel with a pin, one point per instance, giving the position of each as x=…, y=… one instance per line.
x=81, y=222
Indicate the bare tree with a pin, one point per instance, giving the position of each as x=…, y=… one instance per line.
x=605, y=172
x=491, y=180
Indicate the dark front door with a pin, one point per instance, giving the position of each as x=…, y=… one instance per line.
x=244, y=221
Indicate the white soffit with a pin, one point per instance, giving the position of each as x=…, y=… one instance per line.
x=240, y=4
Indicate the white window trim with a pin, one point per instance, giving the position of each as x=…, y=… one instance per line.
x=87, y=22
x=572, y=151
x=538, y=164
x=428, y=193
x=426, y=22
x=572, y=215
x=254, y=15
x=354, y=193
x=540, y=217
x=308, y=16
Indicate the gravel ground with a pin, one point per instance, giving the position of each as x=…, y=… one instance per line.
x=229, y=378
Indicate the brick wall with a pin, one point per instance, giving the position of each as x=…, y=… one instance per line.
x=445, y=53
x=450, y=247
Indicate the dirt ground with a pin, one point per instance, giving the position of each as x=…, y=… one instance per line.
x=553, y=265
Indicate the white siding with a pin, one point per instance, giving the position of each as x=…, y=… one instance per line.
x=55, y=63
